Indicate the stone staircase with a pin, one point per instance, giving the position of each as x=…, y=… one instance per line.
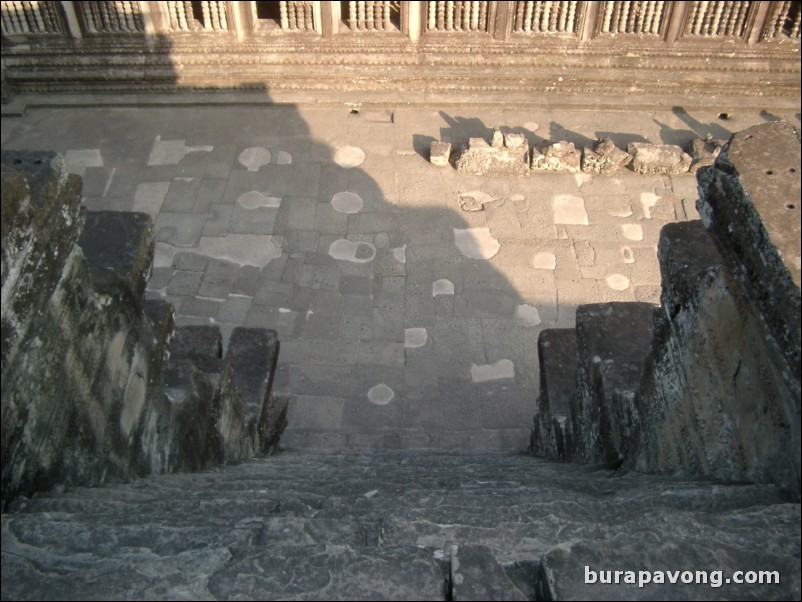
x=304, y=526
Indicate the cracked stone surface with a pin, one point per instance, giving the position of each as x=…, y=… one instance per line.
x=258, y=224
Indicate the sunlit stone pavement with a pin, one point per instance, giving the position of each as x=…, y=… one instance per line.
x=405, y=321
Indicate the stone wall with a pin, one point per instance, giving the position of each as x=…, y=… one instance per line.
x=96, y=383
x=712, y=385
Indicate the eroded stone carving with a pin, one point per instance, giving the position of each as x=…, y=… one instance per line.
x=560, y=156
x=604, y=158
x=495, y=159
x=666, y=159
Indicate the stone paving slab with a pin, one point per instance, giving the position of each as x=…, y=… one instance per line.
x=405, y=321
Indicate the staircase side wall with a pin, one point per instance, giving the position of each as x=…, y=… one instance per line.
x=721, y=393
x=89, y=392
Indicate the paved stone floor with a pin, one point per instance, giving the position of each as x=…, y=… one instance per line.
x=405, y=322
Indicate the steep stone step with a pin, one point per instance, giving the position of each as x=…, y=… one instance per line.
x=557, y=355
x=613, y=341
x=386, y=526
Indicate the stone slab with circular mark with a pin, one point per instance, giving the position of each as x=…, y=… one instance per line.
x=349, y=156
x=527, y=315
x=254, y=157
x=484, y=372
x=476, y=243
x=544, y=261
x=381, y=394
x=569, y=209
x=257, y=200
x=617, y=282
x=415, y=337
x=400, y=254
x=347, y=202
x=632, y=231
x=348, y=250
x=627, y=254
x=442, y=287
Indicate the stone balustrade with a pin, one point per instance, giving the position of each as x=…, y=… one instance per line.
x=666, y=21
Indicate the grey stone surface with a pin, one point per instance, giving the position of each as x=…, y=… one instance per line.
x=658, y=158
x=384, y=525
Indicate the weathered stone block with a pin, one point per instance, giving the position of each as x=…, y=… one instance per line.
x=118, y=247
x=613, y=340
x=514, y=140
x=658, y=158
x=604, y=158
x=703, y=153
x=480, y=158
x=557, y=356
x=252, y=357
x=560, y=156
x=750, y=204
x=439, y=153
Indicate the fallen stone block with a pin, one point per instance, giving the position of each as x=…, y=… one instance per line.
x=560, y=156
x=604, y=158
x=439, y=153
x=480, y=158
x=666, y=159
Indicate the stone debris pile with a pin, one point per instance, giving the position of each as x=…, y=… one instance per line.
x=509, y=153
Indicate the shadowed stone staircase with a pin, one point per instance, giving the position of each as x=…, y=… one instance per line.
x=299, y=525
x=418, y=526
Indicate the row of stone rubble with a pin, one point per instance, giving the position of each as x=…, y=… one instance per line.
x=509, y=154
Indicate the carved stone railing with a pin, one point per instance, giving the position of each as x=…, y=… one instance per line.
x=784, y=20
x=458, y=16
x=194, y=16
x=635, y=17
x=113, y=17
x=660, y=21
x=30, y=18
x=373, y=16
x=546, y=17
x=298, y=15
x=717, y=19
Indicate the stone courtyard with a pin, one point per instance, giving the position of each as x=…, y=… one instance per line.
x=405, y=320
